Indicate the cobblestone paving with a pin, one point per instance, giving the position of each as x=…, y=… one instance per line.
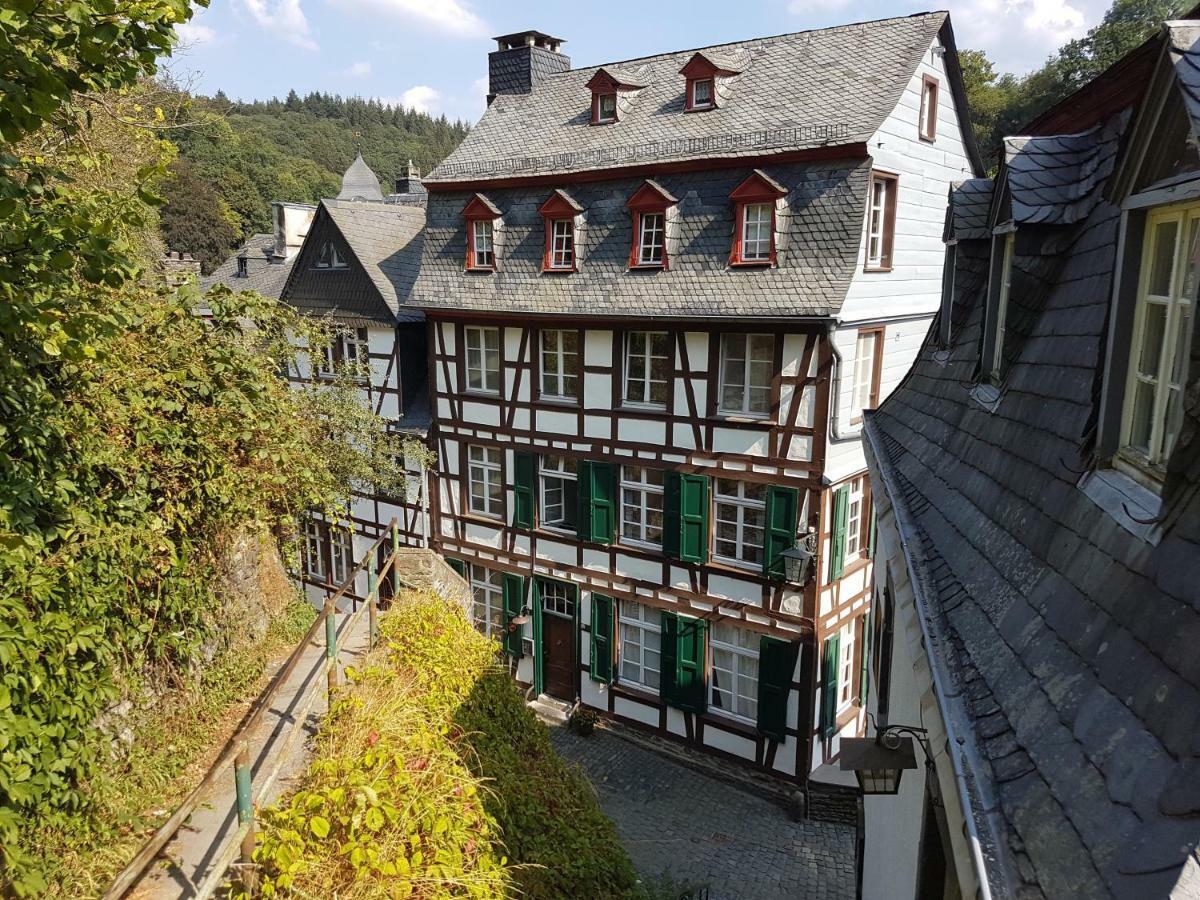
x=671, y=818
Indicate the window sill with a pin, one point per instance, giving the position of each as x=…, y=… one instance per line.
x=481, y=270
x=560, y=270
x=744, y=418
x=751, y=263
x=730, y=721
x=846, y=716
x=734, y=566
x=552, y=531
x=635, y=690
x=482, y=518
x=876, y=269
x=928, y=138
x=643, y=407
x=556, y=400
x=647, y=267
x=632, y=543
x=1125, y=501
x=708, y=107
x=481, y=392
x=853, y=566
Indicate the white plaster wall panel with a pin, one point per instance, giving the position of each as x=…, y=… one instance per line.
x=520, y=419
x=489, y=535
x=679, y=578
x=593, y=693
x=800, y=448
x=597, y=391
x=730, y=588
x=642, y=431
x=443, y=408
x=555, y=552
x=525, y=669
x=638, y=712
x=596, y=560
x=740, y=440
x=481, y=413
x=731, y=743
x=448, y=337
x=557, y=422
x=642, y=569
x=597, y=427
x=597, y=348
x=683, y=436
x=785, y=757
x=676, y=724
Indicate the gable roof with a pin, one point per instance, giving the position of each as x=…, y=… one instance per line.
x=382, y=245
x=265, y=273
x=811, y=89
x=1066, y=642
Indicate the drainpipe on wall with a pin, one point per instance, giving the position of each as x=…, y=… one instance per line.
x=835, y=391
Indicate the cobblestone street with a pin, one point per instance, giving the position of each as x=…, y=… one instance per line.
x=672, y=818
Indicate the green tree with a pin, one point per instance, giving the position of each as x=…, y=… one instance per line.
x=196, y=219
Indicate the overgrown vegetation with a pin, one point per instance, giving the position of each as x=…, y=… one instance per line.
x=433, y=779
x=133, y=435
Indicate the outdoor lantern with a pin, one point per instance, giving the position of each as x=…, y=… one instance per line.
x=796, y=563
x=878, y=762
x=517, y=621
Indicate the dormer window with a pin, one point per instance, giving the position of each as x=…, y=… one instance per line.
x=610, y=88
x=648, y=208
x=754, y=202
x=558, y=216
x=481, y=215
x=702, y=93
x=606, y=108
x=703, y=73
x=329, y=258
x=243, y=267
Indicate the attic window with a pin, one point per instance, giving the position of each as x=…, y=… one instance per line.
x=927, y=120
x=648, y=209
x=1000, y=285
x=243, y=267
x=481, y=216
x=702, y=93
x=702, y=72
x=558, y=217
x=606, y=108
x=329, y=258
x=754, y=202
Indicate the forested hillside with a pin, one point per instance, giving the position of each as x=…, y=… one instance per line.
x=235, y=158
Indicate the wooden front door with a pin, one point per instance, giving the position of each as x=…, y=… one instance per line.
x=559, y=666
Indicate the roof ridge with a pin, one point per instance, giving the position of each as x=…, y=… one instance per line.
x=751, y=40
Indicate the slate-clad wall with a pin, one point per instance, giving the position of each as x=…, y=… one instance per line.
x=347, y=291
x=819, y=231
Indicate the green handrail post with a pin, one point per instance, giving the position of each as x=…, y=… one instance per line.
x=331, y=675
x=245, y=812
x=372, y=608
x=395, y=538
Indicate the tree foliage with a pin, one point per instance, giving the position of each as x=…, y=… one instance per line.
x=196, y=219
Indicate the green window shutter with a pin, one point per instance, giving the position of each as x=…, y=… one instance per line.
x=871, y=538
x=458, y=565
x=829, y=686
x=776, y=663
x=864, y=679
x=837, y=543
x=601, y=657
x=597, y=502
x=783, y=510
x=513, y=591
x=685, y=514
x=524, y=478
x=682, y=678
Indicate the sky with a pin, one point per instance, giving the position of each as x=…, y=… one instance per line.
x=432, y=54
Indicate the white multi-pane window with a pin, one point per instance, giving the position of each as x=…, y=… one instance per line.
x=1162, y=337
x=484, y=473
x=846, y=667
x=929, y=104
x=854, y=517
x=641, y=641
x=647, y=367
x=356, y=350
x=741, y=513
x=562, y=244
x=560, y=363
x=747, y=364
x=652, y=238
x=483, y=252
x=560, y=492
x=557, y=599
x=733, y=678
x=878, y=251
x=329, y=258
x=341, y=555
x=866, y=393
x=606, y=107
x=1003, y=289
x=756, y=232
x=487, y=599
x=316, y=541
x=483, y=359
x=327, y=360
x=642, y=505
x=702, y=93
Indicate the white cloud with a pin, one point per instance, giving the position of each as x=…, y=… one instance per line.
x=450, y=17
x=359, y=70
x=193, y=33
x=802, y=7
x=422, y=98
x=286, y=19
x=1018, y=35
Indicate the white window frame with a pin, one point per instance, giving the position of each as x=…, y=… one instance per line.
x=739, y=375
x=763, y=228
x=561, y=382
x=703, y=104
x=866, y=346
x=997, y=368
x=562, y=244
x=487, y=592
x=638, y=625
x=612, y=113
x=556, y=598
x=855, y=508
x=341, y=554
x=1171, y=373
x=485, y=469
x=316, y=539
x=482, y=378
x=326, y=363
x=557, y=474
x=735, y=510
x=647, y=381
x=329, y=258
x=930, y=90
x=483, y=244
x=652, y=225
x=637, y=495
x=846, y=666
x=877, y=220
x=744, y=688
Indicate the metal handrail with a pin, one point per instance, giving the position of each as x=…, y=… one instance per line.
x=237, y=748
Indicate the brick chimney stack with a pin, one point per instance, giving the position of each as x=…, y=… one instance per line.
x=521, y=60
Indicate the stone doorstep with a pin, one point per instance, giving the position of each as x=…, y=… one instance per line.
x=553, y=713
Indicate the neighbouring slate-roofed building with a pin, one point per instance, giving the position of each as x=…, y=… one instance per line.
x=659, y=295
x=263, y=263
x=1037, y=477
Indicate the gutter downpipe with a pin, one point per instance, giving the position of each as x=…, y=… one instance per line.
x=959, y=760
x=835, y=385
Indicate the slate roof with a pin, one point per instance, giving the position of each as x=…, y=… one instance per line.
x=795, y=91
x=359, y=182
x=819, y=229
x=1071, y=644
x=265, y=273
x=382, y=244
x=967, y=211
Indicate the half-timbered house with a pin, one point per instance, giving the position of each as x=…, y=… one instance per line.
x=660, y=294
x=1038, y=549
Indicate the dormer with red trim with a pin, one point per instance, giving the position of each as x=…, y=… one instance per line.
x=707, y=76
x=651, y=208
x=561, y=217
x=755, y=206
x=483, y=221
x=612, y=91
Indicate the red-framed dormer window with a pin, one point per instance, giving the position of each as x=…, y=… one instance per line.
x=481, y=215
x=754, y=202
x=605, y=86
x=700, y=88
x=648, y=208
x=604, y=108
x=558, y=215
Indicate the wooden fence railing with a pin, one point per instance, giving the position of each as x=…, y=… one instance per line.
x=236, y=752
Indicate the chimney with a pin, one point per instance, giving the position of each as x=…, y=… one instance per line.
x=523, y=59
x=410, y=181
x=290, y=223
